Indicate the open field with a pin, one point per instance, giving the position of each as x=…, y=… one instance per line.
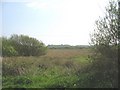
x=67, y=53
x=58, y=68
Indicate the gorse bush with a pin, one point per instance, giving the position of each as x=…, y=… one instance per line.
x=22, y=45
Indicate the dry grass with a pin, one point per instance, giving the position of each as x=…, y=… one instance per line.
x=60, y=63
x=65, y=58
x=67, y=53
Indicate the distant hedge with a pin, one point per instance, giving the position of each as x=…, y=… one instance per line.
x=22, y=45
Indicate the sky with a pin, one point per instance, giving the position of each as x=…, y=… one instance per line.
x=52, y=21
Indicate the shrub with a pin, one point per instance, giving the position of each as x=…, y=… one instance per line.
x=22, y=45
x=7, y=48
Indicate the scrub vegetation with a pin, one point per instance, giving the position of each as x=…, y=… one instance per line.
x=57, y=69
x=28, y=63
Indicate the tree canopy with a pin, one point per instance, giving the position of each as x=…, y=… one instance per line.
x=22, y=45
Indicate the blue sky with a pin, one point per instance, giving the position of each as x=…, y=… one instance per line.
x=52, y=21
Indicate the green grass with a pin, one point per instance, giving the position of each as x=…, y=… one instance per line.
x=57, y=69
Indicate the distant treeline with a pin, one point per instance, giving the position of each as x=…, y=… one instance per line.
x=22, y=45
x=67, y=46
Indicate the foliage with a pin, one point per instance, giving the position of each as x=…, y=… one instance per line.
x=105, y=46
x=22, y=45
x=7, y=48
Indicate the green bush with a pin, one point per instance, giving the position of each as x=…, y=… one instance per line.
x=9, y=51
x=22, y=45
x=7, y=48
x=104, y=60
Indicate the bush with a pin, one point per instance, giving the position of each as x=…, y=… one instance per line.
x=7, y=48
x=105, y=46
x=22, y=45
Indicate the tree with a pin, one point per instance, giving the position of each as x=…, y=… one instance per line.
x=27, y=46
x=22, y=45
x=7, y=48
x=105, y=44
